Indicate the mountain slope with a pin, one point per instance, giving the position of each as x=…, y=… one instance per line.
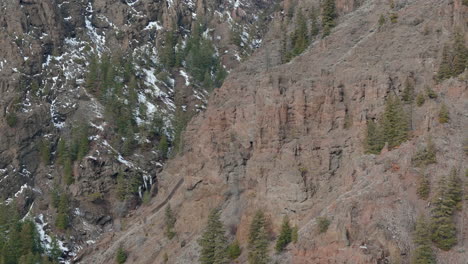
x=289, y=139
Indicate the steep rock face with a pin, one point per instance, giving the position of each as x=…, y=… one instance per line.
x=288, y=139
x=45, y=52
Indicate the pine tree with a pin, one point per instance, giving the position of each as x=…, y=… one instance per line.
x=424, y=187
x=62, y=152
x=169, y=221
x=394, y=123
x=234, y=250
x=422, y=239
x=54, y=251
x=121, y=256
x=213, y=241
x=300, y=38
x=454, y=189
x=460, y=55
x=168, y=55
x=374, y=138
x=445, y=68
x=258, y=240
x=285, y=235
x=314, y=26
x=67, y=172
x=420, y=99
x=44, y=149
x=122, y=188
x=443, y=228
x=93, y=75
x=62, y=220
x=408, y=92
x=328, y=16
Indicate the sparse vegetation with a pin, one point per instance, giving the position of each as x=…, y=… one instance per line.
x=425, y=156
x=295, y=234
x=394, y=18
x=444, y=116
x=420, y=99
x=11, y=119
x=169, y=221
x=381, y=20
x=323, y=223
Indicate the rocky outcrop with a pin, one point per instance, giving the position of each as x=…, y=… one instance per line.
x=288, y=139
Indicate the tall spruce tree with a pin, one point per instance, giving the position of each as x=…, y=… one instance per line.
x=285, y=236
x=213, y=241
x=328, y=16
x=394, y=122
x=300, y=38
x=443, y=227
x=423, y=253
x=258, y=240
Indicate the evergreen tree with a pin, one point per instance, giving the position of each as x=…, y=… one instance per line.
x=92, y=76
x=323, y=224
x=62, y=152
x=408, y=92
x=168, y=55
x=121, y=187
x=67, y=172
x=445, y=68
x=234, y=250
x=314, y=26
x=420, y=99
x=213, y=241
x=44, y=149
x=55, y=251
x=374, y=141
x=394, y=123
x=454, y=189
x=169, y=221
x=424, y=187
x=460, y=55
x=285, y=235
x=443, y=227
x=300, y=38
x=121, y=256
x=328, y=16
x=422, y=239
x=258, y=240
x=62, y=220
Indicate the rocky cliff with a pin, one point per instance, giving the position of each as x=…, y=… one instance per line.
x=48, y=57
x=290, y=139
